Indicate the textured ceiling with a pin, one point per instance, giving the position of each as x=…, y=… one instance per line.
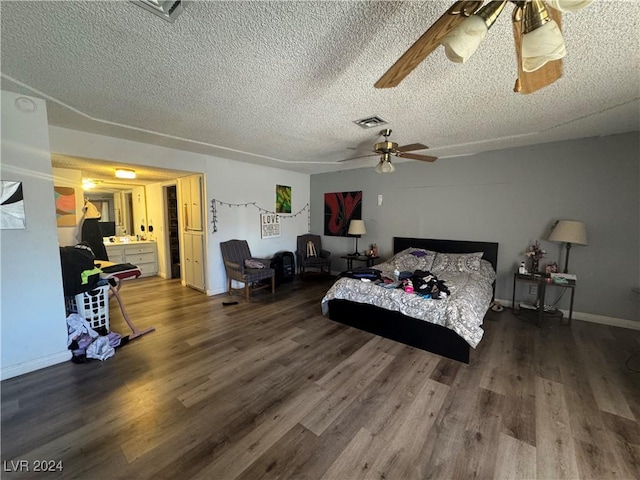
x=280, y=83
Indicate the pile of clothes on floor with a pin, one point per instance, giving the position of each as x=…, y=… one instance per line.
x=86, y=343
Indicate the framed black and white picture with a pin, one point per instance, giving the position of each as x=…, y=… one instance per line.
x=269, y=225
x=11, y=206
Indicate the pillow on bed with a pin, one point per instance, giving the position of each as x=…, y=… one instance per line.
x=457, y=262
x=486, y=271
x=412, y=259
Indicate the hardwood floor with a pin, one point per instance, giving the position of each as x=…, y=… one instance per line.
x=272, y=389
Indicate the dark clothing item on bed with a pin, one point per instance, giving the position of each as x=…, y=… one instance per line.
x=366, y=273
x=428, y=283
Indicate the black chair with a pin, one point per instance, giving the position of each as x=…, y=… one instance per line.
x=314, y=257
x=235, y=254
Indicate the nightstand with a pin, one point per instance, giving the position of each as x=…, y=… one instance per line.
x=543, y=282
x=368, y=259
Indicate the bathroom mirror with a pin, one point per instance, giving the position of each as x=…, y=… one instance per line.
x=122, y=213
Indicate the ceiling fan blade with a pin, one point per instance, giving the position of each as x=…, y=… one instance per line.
x=361, y=156
x=427, y=43
x=415, y=156
x=411, y=147
x=529, y=82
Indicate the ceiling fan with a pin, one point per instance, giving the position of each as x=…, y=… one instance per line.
x=536, y=29
x=387, y=148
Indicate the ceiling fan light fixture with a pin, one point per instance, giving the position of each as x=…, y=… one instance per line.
x=542, y=45
x=385, y=165
x=463, y=41
x=568, y=5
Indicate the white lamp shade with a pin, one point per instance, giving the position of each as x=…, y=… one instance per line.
x=464, y=40
x=568, y=5
x=569, y=231
x=542, y=45
x=356, y=227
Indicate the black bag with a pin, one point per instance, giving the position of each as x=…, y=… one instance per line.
x=75, y=260
x=368, y=273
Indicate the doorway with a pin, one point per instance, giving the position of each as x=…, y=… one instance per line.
x=173, y=231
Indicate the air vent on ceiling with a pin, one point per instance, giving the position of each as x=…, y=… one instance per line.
x=370, y=122
x=166, y=9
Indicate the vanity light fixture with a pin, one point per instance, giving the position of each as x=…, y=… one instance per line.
x=125, y=173
x=88, y=184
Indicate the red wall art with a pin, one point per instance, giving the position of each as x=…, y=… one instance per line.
x=339, y=209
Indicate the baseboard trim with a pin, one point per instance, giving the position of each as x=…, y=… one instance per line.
x=35, y=364
x=590, y=317
x=604, y=320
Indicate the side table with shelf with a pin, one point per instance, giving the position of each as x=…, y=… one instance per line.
x=368, y=259
x=542, y=281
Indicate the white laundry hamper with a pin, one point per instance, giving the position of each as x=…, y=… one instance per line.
x=92, y=305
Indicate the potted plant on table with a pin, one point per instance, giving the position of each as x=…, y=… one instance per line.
x=535, y=253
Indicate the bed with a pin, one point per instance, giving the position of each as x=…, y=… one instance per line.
x=448, y=326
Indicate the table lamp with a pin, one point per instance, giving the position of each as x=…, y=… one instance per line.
x=571, y=233
x=356, y=228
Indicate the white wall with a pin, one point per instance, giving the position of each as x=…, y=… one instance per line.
x=236, y=182
x=512, y=197
x=225, y=180
x=33, y=327
x=64, y=177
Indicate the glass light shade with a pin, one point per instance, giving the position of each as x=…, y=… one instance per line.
x=542, y=45
x=568, y=5
x=464, y=40
x=356, y=227
x=385, y=166
x=389, y=168
x=569, y=231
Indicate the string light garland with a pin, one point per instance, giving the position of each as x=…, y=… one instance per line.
x=214, y=211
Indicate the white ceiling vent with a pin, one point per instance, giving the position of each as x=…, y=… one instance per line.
x=167, y=9
x=370, y=122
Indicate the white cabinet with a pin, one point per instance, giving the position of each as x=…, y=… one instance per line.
x=191, y=199
x=194, y=260
x=142, y=254
x=139, y=211
x=115, y=253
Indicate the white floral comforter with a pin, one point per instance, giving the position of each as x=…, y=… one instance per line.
x=462, y=311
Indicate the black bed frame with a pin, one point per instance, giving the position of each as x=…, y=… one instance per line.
x=411, y=331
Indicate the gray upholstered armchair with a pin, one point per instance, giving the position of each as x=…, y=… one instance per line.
x=321, y=260
x=235, y=254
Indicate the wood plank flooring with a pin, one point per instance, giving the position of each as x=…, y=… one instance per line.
x=272, y=389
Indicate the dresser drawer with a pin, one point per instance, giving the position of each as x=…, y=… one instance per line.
x=138, y=249
x=115, y=254
x=148, y=269
x=138, y=258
